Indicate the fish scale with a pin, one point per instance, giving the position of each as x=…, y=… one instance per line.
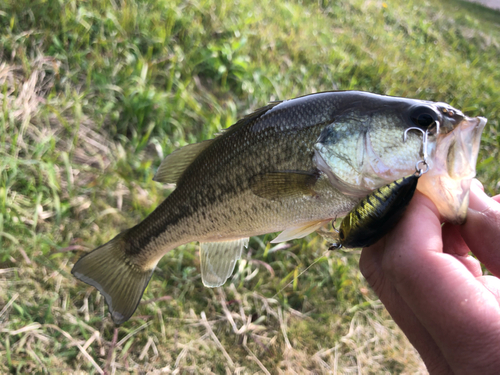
x=220, y=187
x=291, y=166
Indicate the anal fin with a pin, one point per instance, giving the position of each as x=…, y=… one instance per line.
x=218, y=259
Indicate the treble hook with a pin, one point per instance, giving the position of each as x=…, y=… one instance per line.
x=437, y=127
x=425, y=139
x=425, y=135
x=335, y=246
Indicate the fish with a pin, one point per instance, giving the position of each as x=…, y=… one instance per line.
x=374, y=216
x=290, y=167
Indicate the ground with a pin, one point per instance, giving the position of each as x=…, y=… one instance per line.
x=95, y=93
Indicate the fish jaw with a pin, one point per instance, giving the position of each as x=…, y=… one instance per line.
x=452, y=168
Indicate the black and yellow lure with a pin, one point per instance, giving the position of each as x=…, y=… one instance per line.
x=374, y=216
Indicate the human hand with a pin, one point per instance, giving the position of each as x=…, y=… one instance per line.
x=435, y=291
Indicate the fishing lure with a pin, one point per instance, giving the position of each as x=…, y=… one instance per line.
x=374, y=216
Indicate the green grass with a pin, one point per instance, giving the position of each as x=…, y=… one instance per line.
x=94, y=94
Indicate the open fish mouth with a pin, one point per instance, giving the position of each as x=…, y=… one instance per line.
x=452, y=168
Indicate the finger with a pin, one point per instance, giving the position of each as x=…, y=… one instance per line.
x=446, y=298
x=481, y=232
x=478, y=200
x=478, y=183
x=417, y=334
x=454, y=244
x=471, y=264
x=491, y=283
x=480, y=186
x=417, y=234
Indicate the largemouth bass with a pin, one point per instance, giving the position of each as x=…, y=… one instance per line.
x=291, y=166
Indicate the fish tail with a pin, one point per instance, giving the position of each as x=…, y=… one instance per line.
x=111, y=271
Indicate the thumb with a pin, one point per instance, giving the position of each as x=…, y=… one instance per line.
x=481, y=232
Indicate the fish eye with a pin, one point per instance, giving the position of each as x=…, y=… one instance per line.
x=423, y=117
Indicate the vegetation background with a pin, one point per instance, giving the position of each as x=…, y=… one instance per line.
x=94, y=93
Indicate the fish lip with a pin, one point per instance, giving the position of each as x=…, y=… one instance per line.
x=448, y=185
x=478, y=121
x=482, y=121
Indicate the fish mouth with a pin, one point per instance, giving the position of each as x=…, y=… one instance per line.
x=452, y=168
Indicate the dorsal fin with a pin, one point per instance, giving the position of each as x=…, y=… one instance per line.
x=250, y=117
x=172, y=167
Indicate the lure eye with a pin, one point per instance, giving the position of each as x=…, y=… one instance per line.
x=423, y=117
x=341, y=234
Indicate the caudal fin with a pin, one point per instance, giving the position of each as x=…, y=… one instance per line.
x=120, y=281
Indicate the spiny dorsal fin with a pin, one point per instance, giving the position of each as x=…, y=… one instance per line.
x=299, y=231
x=286, y=184
x=250, y=117
x=217, y=260
x=172, y=167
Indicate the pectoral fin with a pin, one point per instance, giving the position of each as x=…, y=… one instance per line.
x=299, y=231
x=285, y=184
x=218, y=259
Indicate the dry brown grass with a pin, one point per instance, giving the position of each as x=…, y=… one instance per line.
x=248, y=334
